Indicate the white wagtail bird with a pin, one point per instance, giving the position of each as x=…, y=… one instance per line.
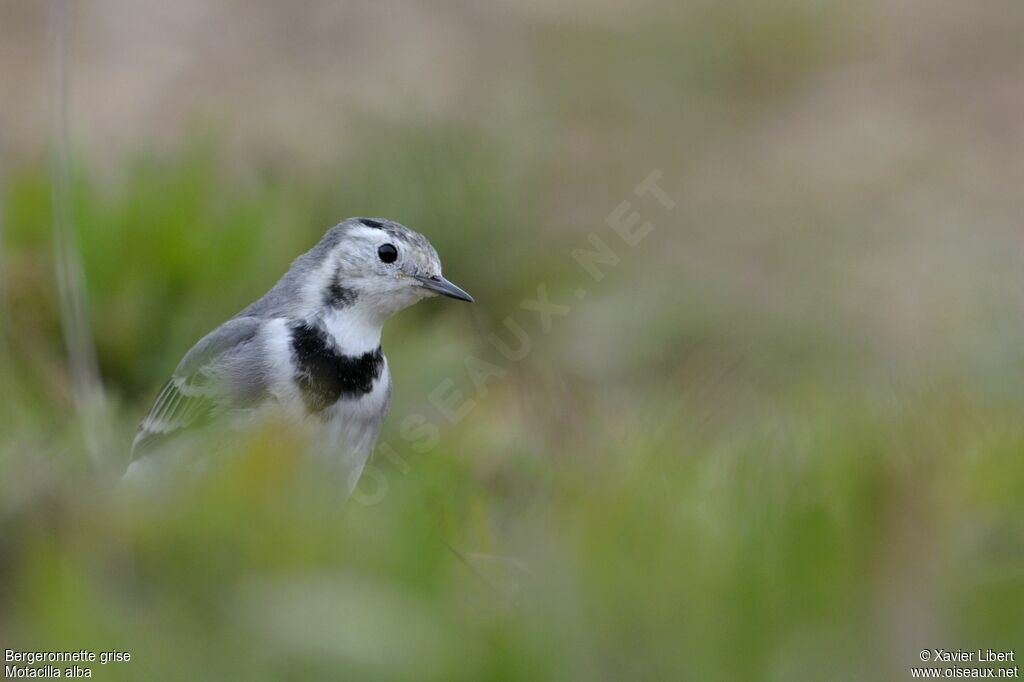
x=309, y=349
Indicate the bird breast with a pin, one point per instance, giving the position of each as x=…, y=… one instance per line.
x=324, y=374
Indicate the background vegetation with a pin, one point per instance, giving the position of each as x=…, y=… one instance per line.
x=782, y=439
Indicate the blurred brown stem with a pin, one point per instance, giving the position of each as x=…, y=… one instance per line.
x=88, y=391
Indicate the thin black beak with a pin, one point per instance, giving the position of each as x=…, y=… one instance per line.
x=444, y=287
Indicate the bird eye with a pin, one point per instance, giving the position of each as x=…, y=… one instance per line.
x=388, y=253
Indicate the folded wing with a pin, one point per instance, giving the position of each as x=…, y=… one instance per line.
x=206, y=383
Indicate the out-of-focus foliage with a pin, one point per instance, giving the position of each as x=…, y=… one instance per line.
x=780, y=439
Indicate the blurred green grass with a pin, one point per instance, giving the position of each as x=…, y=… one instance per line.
x=706, y=524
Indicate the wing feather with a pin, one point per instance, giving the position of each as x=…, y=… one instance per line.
x=192, y=396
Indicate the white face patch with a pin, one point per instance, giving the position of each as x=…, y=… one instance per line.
x=369, y=234
x=354, y=284
x=415, y=254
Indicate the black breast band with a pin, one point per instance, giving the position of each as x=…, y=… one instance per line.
x=323, y=374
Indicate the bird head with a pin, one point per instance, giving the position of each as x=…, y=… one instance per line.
x=381, y=265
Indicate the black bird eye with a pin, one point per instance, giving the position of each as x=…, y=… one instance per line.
x=388, y=253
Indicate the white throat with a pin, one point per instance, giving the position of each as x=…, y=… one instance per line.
x=354, y=329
